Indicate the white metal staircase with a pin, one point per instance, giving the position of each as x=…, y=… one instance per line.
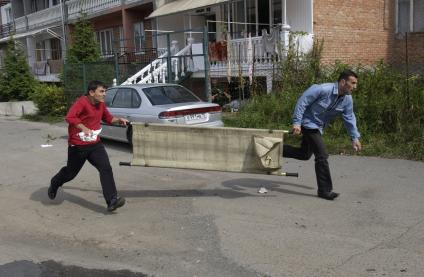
x=157, y=71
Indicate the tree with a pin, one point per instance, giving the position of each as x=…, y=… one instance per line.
x=16, y=80
x=84, y=47
x=82, y=57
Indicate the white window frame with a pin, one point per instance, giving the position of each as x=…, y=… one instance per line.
x=106, y=49
x=411, y=16
x=139, y=41
x=121, y=40
x=40, y=51
x=57, y=51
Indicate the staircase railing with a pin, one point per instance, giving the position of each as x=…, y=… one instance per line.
x=157, y=71
x=146, y=71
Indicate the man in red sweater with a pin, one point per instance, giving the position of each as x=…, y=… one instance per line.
x=84, y=118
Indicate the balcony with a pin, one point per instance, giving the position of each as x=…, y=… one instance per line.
x=48, y=70
x=53, y=15
x=44, y=18
x=6, y=30
x=89, y=7
x=94, y=7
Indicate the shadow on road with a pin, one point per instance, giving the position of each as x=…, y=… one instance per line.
x=234, y=189
x=53, y=269
x=40, y=195
x=116, y=145
x=251, y=183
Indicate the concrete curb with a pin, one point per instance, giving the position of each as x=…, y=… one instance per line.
x=18, y=108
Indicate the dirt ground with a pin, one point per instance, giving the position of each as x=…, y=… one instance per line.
x=202, y=223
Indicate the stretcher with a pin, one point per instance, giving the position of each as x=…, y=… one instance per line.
x=208, y=148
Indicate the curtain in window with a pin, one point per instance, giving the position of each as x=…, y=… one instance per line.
x=418, y=16
x=403, y=15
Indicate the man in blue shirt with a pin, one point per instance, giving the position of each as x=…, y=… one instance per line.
x=318, y=105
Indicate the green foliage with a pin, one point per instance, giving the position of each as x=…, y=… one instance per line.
x=84, y=47
x=50, y=100
x=16, y=80
x=83, y=62
x=389, y=106
x=77, y=75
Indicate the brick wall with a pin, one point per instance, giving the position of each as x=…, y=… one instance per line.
x=355, y=32
x=409, y=48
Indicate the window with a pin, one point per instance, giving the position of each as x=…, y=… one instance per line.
x=110, y=94
x=418, y=24
x=121, y=40
x=40, y=51
x=38, y=5
x=126, y=98
x=251, y=16
x=163, y=95
x=277, y=18
x=410, y=16
x=104, y=39
x=56, y=49
x=139, y=36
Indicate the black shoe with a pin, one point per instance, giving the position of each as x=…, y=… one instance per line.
x=328, y=195
x=52, y=191
x=116, y=203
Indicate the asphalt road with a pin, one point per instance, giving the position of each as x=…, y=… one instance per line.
x=199, y=223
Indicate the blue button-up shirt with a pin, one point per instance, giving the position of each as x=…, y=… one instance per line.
x=320, y=104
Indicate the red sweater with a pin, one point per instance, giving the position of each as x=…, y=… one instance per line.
x=83, y=111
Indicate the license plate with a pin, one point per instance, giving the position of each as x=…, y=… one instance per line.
x=196, y=118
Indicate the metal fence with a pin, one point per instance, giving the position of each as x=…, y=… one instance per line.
x=120, y=65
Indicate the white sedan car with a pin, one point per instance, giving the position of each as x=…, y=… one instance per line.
x=157, y=103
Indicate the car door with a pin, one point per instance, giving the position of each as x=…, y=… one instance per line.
x=124, y=103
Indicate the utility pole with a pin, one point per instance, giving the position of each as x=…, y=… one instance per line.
x=62, y=9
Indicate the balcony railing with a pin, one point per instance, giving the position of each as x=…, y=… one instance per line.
x=6, y=30
x=20, y=24
x=47, y=67
x=45, y=17
x=75, y=7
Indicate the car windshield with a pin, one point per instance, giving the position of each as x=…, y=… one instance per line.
x=169, y=95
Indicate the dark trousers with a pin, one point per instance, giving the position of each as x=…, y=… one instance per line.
x=312, y=143
x=97, y=156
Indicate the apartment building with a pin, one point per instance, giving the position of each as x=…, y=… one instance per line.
x=6, y=23
x=353, y=31
x=44, y=28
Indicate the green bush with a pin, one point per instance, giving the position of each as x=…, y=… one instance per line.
x=50, y=100
x=389, y=106
x=16, y=80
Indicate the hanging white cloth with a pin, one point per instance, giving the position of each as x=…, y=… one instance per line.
x=229, y=56
x=269, y=41
x=250, y=58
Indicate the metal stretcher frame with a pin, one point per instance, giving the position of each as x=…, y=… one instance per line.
x=208, y=148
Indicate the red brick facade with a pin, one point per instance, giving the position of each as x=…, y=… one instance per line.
x=354, y=31
x=409, y=49
x=124, y=18
x=363, y=32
